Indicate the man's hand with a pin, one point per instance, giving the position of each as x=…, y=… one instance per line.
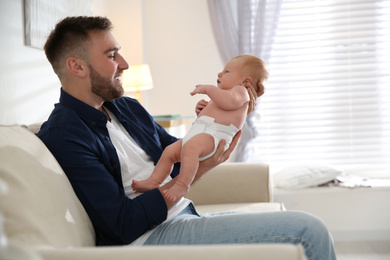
x=252, y=97
x=254, y=94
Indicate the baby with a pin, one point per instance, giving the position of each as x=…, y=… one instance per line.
x=219, y=119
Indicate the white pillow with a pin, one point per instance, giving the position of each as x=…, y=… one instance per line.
x=298, y=177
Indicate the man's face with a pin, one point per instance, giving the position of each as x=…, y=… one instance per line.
x=106, y=66
x=104, y=87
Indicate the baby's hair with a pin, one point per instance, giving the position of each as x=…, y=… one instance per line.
x=255, y=68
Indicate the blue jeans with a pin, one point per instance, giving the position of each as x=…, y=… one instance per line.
x=190, y=228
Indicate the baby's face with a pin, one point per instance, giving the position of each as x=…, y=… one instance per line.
x=231, y=75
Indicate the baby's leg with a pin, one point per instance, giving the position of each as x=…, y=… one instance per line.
x=162, y=170
x=198, y=146
x=178, y=190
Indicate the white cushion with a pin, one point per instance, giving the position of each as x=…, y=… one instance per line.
x=39, y=205
x=298, y=177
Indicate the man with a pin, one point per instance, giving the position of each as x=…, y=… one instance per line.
x=103, y=141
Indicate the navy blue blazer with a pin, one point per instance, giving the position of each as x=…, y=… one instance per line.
x=77, y=136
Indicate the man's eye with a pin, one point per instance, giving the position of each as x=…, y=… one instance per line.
x=112, y=56
x=226, y=71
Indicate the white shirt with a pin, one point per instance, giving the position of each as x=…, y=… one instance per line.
x=135, y=164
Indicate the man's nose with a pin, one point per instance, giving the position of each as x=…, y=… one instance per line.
x=123, y=63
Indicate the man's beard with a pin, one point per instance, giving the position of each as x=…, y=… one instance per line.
x=104, y=87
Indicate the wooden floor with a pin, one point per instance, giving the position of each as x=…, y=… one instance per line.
x=363, y=250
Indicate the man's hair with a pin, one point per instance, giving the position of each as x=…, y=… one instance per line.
x=69, y=37
x=255, y=68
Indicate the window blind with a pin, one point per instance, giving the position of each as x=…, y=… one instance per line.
x=328, y=95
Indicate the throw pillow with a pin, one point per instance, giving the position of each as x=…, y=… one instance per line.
x=298, y=177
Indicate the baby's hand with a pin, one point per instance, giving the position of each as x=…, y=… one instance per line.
x=200, y=89
x=200, y=105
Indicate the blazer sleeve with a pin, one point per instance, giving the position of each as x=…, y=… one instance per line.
x=117, y=219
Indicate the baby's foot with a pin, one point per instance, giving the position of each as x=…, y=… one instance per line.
x=177, y=191
x=144, y=185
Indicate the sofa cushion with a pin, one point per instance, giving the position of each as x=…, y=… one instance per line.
x=39, y=206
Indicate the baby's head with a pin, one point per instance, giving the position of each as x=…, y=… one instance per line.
x=254, y=71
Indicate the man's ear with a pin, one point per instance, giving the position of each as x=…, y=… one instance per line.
x=77, y=67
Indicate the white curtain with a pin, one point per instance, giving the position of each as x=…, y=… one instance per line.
x=328, y=94
x=244, y=27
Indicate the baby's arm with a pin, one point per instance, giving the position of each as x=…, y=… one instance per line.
x=226, y=99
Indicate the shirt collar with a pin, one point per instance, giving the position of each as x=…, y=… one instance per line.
x=87, y=113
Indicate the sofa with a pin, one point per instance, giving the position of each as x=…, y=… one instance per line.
x=41, y=217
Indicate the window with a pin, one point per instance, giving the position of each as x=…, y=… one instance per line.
x=328, y=95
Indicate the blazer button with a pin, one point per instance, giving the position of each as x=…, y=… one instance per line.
x=107, y=138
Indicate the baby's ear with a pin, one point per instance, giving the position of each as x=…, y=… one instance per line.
x=247, y=80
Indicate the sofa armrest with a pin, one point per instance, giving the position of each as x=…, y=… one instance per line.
x=233, y=183
x=210, y=252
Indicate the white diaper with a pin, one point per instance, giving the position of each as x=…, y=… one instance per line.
x=206, y=124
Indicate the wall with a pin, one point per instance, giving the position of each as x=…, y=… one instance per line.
x=126, y=16
x=173, y=36
x=28, y=85
x=179, y=46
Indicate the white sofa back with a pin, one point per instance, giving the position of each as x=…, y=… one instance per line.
x=39, y=206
